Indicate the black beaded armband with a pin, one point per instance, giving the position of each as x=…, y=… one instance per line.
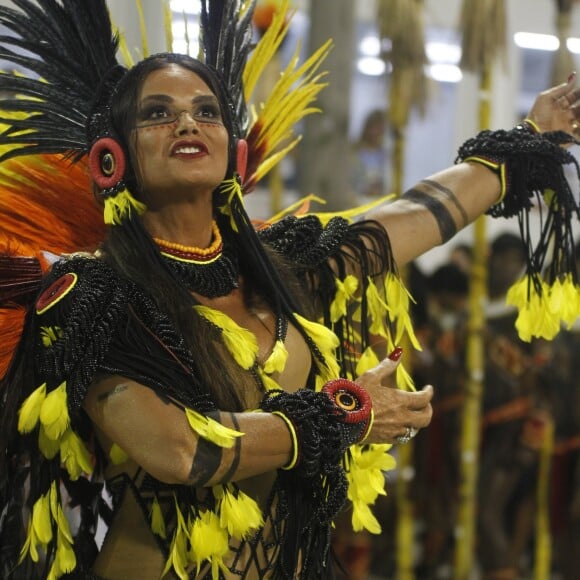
x=528, y=163
x=323, y=425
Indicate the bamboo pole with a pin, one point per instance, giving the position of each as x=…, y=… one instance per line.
x=471, y=416
x=484, y=30
x=401, y=21
x=543, y=549
x=405, y=532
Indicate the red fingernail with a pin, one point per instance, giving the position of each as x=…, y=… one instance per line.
x=396, y=354
x=571, y=76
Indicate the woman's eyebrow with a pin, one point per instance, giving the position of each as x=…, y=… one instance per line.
x=169, y=99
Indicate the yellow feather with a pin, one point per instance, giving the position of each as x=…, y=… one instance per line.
x=54, y=413
x=273, y=160
x=124, y=50
x=324, y=338
x=168, y=23
x=41, y=520
x=355, y=212
x=120, y=206
x=297, y=87
x=404, y=379
x=233, y=189
x=48, y=447
x=377, y=309
x=363, y=519
x=327, y=342
x=62, y=522
x=75, y=455
x=345, y=291
x=212, y=430
x=117, y=455
x=238, y=512
x=53, y=498
x=29, y=547
x=143, y=29
x=276, y=362
x=265, y=50
x=178, y=550
x=269, y=383
x=367, y=361
x=29, y=411
x=240, y=342
x=209, y=541
x=294, y=207
x=65, y=558
x=157, y=520
x=50, y=334
x=365, y=474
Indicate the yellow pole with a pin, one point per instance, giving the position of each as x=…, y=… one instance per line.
x=471, y=418
x=405, y=529
x=543, y=554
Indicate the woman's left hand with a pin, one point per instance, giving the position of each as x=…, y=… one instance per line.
x=398, y=414
x=558, y=108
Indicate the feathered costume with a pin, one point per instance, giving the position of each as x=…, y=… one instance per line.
x=67, y=320
x=79, y=318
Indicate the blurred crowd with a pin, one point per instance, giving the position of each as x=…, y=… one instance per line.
x=529, y=389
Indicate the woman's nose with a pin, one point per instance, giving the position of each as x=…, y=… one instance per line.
x=186, y=122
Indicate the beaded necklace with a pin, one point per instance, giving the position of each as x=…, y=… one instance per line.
x=211, y=271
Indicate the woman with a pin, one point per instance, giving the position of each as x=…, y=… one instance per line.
x=184, y=353
x=179, y=137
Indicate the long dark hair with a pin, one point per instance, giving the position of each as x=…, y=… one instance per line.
x=131, y=251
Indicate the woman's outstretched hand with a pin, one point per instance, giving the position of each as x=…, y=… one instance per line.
x=558, y=108
x=398, y=414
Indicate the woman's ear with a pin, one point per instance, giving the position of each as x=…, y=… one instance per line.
x=241, y=158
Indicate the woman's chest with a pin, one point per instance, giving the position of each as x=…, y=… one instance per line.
x=280, y=350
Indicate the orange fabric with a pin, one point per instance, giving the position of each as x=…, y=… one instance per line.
x=11, y=322
x=46, y=205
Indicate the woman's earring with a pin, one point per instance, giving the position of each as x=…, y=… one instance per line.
x=107, y=164
x=241, y=158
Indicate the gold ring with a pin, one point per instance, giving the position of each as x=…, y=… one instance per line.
x=575, y=127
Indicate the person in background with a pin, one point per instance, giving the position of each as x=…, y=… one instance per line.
x=370, y=158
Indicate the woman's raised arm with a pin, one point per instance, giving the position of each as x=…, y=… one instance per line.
x=435, y=209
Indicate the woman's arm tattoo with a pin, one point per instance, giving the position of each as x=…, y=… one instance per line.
x=237, y=448
x=111, y=392
x=208, y=458
x=443, y=217
x=451, y=196
x=206, y=462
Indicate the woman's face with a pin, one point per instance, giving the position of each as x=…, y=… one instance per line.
x=180, y=142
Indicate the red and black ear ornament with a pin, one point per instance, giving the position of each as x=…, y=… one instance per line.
x=108, y=163
x=241, y=159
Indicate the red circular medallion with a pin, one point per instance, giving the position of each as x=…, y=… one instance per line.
x=55, y=292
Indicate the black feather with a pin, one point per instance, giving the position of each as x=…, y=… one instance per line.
x=66, y=48
x=226, y=39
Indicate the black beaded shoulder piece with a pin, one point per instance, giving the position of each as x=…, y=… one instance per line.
x=81, y=305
